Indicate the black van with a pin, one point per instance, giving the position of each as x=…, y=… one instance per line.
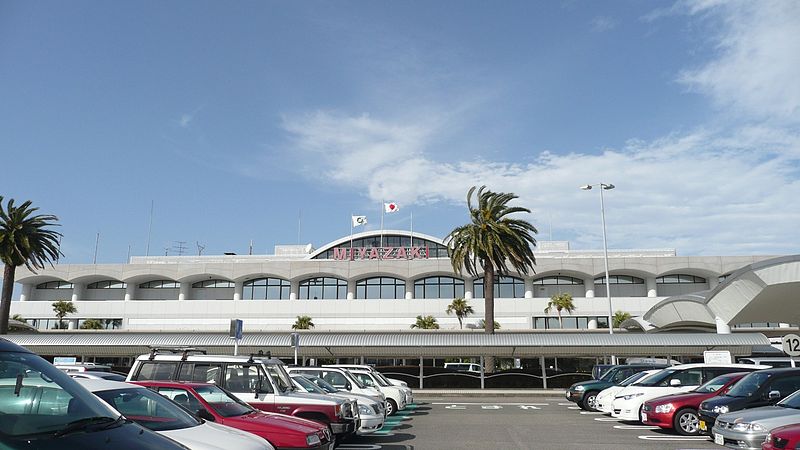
x=42, y=408
x=760, y=388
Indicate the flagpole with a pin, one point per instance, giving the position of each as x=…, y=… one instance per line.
x=412, y=228
x=383, y=210
x=351, y=235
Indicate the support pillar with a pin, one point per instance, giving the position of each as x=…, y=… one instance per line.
x=469, y=287
x=183, y=293
x=483, y=375
x=238, y=290
x=351, y=289
x=421, y=373
x=409, y=289
x=130, y=292
x=294, y=289
x=27, y=289
x=544, y=372
x=528, y=287
x=588, y=284
x=722, y=326
x=652, y=287
x=78, y=291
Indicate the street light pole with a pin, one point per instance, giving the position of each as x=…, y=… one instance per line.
x=605, y=187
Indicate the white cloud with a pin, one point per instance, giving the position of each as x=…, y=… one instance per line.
x=603, y=23
x=757, y=68
x=185, y=120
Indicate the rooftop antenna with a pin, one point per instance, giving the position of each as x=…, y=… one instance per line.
x=179, y=247
x=250, y=252
x=200, y=248
x=129, y=253
x=96, y=243
x=299, y=219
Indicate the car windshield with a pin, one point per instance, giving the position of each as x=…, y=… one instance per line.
x=149, y=409
x=223, y=403
x=322, y=384
x=657, y=377
x=715, y=384
x=279, y=375
x=792, y=401
x=609, y=374
x=382, y=378
x=308, y=385
x=38, y=399
x=353, y=379
x=749, y=385
x=376, y=379
x=633, y=378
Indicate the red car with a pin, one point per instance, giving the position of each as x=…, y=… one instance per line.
x=679, y=411
x=783, y=437
x=213, y=403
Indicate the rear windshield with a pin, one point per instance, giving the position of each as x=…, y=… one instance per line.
x=715, y=384
x=749, y=385
x=149, y=409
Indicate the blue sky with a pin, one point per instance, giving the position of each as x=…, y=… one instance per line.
x=236, y=117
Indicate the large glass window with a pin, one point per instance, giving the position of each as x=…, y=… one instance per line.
x=439, y=287
x=546, y=287
x=504, y=287
x=381, y=288
x=213, y=284
x=570, y=322
x=55, y=285
x=679, y=284
x=266, y=289
x=107, y=284
x=160, y=284
x=323, y=288
x=621, y=286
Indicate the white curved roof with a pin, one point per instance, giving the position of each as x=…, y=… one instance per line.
x=375, y=233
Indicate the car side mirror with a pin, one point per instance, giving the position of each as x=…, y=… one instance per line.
x=348, y=386
x=774, y=395
x=204, y=414
x=674, y=382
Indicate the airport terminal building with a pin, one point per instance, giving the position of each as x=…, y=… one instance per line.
x=372, y=281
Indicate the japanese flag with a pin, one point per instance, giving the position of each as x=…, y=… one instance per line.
x=359, y=220
x=391, y=207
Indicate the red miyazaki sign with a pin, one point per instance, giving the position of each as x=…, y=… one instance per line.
x=352, y=254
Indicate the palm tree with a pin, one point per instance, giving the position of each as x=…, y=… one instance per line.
x=460, y=307
x=18, y=318
x=426, y=323
x=24, y=240
x=92, y=324
x=482, y=324
x=560, y=302
x=62, y=308
x=489, y=242
x=303, y=323
x=620, y=317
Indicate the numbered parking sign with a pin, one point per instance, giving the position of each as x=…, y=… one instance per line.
x=791, y=344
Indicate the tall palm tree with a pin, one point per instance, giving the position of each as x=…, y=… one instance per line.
x=25, y=239
x=491, y=241
x=62, y=308
x=461, y=308
x=561, y=302
x=482, y=324
x=303, y=323
x=620, y=317
x=426, y=323
x=92, y=324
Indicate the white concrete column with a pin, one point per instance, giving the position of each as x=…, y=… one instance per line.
x=72, y=324
x=183, y=294
x=588, y=283
x=130, y=292
x=351, y=289
x=469, y=287
x=27, y=289
x=528, y=287
x=652, y=287
x=77, y=291
x=294, y=289
x=238, y=290
x=409, y=289
x=722, y=327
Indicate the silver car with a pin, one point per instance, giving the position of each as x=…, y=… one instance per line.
x=749, y=427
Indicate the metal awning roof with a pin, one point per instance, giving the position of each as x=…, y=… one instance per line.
x=396, y=344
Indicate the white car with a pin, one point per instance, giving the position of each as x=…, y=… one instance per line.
x=395, y=397
x=674, y=380
x=157, y=413
x=402, y=385
x=372, y=413
x=605, y=398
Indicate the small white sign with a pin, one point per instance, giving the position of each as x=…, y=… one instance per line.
x=717, y=357
x=791, y=344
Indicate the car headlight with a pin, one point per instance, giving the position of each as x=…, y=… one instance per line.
x=312, y=440
x=769, y=438
x=338, y=410
x=665, y=408
x=364, y=409
x=579, y=388
x=742, y=427
x=632, y=396
x=721, y=409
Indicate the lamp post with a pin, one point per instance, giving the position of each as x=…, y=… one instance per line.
x=605, y=187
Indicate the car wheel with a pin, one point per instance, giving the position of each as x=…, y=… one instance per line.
x=391, y=407
x=686, y=422
x=589, y=401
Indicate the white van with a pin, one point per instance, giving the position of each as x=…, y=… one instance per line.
x=463, y=367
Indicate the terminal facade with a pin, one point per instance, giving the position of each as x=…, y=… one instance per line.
x=372, y=281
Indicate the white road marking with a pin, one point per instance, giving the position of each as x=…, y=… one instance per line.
x=591, y=413
x=455, y=407
x=635, y=427
x=674, y=438
x=566, y=404
x=574, y=407
x=526, y=407
x=484, y=403
x=606, y=419
x=491, y=407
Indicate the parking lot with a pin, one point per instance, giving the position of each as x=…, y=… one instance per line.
x=514, y=423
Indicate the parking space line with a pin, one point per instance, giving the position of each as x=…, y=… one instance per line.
x=573, y=407
x=635, y=427
x=591, y=413
x=487, y=403
x=606, y=419
x=566, y=404
x=674, y=438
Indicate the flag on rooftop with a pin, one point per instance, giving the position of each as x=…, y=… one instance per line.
x=391, y=207
x=359, y=220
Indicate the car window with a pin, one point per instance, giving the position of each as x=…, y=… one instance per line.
x=200, y=372
x=156, y=370
x=749, y=385
x=246, y=378
x=336, y=379
x=714, y=372
x=621, y=375
x=225, y=404
x=148, y=409
x=364, y=378
x=785, y=385
x=182, y=397
x=715, y=384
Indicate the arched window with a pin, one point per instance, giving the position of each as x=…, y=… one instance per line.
x=546, y=287
x=439, y=287
x=107, y=284
x=55, y=285
x=266, y=289
x=680, y=284
x=213, y=284
x=619, y=279
x=323, y=288
x=160, y=284
x=504, y=287
x=621, y=286
x=680, y=279
x=381, y=288
x=559, y=279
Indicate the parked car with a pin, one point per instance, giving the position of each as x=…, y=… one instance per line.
x=341, y=379
x=679, y=411
x=382, y=379
x=261, y=381
x=159, y=414
x=214, y=403
x=787, y=437
x=396, y=399
x=331, y=389
x=674, y=380
x=43, y=408
x=584, y=393
x=762, y=388
x=110, y=376
x=464, y=367
x=605, y=399
x=748, y=428
x=83, y=367
x=371, y=414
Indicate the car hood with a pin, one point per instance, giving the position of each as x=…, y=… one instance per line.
x=592, y=385
x=211, y=436
x=274, y=422
x=769, y=416
x=731, y=402
x=612, y=391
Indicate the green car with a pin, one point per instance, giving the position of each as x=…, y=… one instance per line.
x=585, y=392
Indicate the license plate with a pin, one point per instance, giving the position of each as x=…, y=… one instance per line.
x=644, y=417
x=702, y=425
x=718, y=439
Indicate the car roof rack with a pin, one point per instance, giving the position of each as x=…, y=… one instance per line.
x=185, y=351
x=260, y=354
